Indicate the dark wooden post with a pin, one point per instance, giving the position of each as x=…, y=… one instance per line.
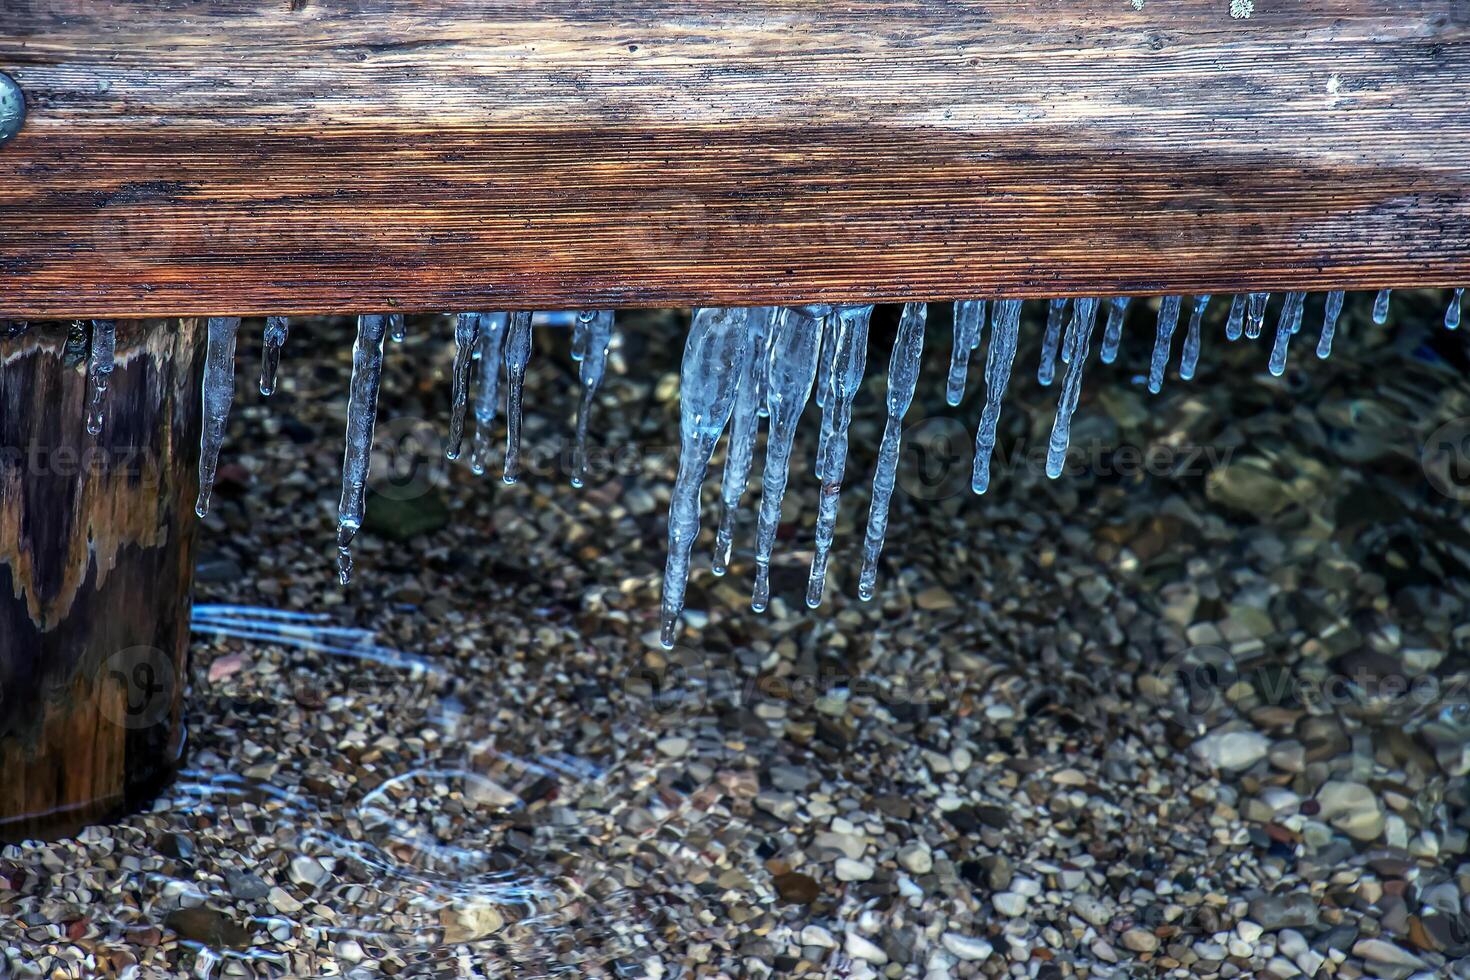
x=96, y=564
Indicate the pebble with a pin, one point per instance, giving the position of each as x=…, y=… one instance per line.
x=282, y=901
x=967, y=947
x=916, y=858
x=849, y=870
x=1009, y=903
x=859, y=948
x=1232, y=750
x=1140, y=941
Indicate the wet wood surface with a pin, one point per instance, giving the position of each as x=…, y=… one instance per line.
x=295, y=156
x=96, y=564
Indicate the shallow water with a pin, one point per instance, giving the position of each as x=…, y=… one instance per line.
x=1207, y=686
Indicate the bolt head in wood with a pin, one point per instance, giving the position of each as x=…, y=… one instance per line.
x=12, y=108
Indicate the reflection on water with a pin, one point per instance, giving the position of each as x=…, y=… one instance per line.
x=468, y=865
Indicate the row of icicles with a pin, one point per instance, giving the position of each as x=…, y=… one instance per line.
x=741, y=364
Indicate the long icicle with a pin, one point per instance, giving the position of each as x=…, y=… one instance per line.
x=1113, y=333
x=1452, y=312
x=792, y=370
x=362, y=418
x=851, y=345
x=1380, y=306
x=708, y=379
x=487, y=392
x=1255, y=314
x=969, y=324
x=219, y=395
x=1005, y=327
x=466, y=336
x=1078, y=342
x=517, y=356
x=903, y=379
x=744, y=428
x=99, y=371
x=1288, y=324
x=1235, y=322
x=1046, y=369
x=277, y=329
x=596, y=339
x=1189, y=360
x=1163, y=341
x=1329, y=323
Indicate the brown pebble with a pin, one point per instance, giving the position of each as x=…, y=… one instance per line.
x=797, y=888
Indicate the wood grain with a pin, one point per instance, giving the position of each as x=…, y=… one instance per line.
x=293, y=156
x=96, y=564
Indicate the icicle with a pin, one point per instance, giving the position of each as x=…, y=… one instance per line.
x=277, y=328
x=969, y=323
x=1190, y=357
x=903, y=378
x=579, y=333
x=1077, y=343
x=824, y=366
x=596, y=338
x=792, y=367
x=1329, y=323
x=1255, y=314
x=1380, y=306
x=1047, y=369
x=1163, y=341
x=491, y=349
x=851, y=346
x=708, y=379
x=99, y=372
x=397, y=328
x=1235, y=323
x=763, y=373
x=1452, y=312
x=1004, y=327
x=744, y=427
x=362, y=417
x=219, y=395
x=466, y=334
x=517, y=356
x=1288, y=324
x=1113, y=334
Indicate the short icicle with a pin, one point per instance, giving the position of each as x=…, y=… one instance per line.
x=99, y=372
x=491, y=351
x=1452, y=312
x=1329, y=323
x=1004, y=329
x=1380, y=306
x=824, y=366
x=277, y=328
x=580, y=324
x=517, y=356
x=744, y=428
x=1288, y=324
x=1046, y=370
x=219, y=395
x=1189, y=360
x=851, y=345
x=903, y=379
x=596, y=339
x=466, y=337
x=1078, y=341
x=1163, y=341
x=795, y=338
x=1235, y=322
x=362, y=418
x=1113, y=333
x=969, y=324
x=397, y=328
x=708, y=380
x=1255, y=314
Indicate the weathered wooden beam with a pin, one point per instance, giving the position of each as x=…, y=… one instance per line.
x=96, y=564
x=293, y=156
